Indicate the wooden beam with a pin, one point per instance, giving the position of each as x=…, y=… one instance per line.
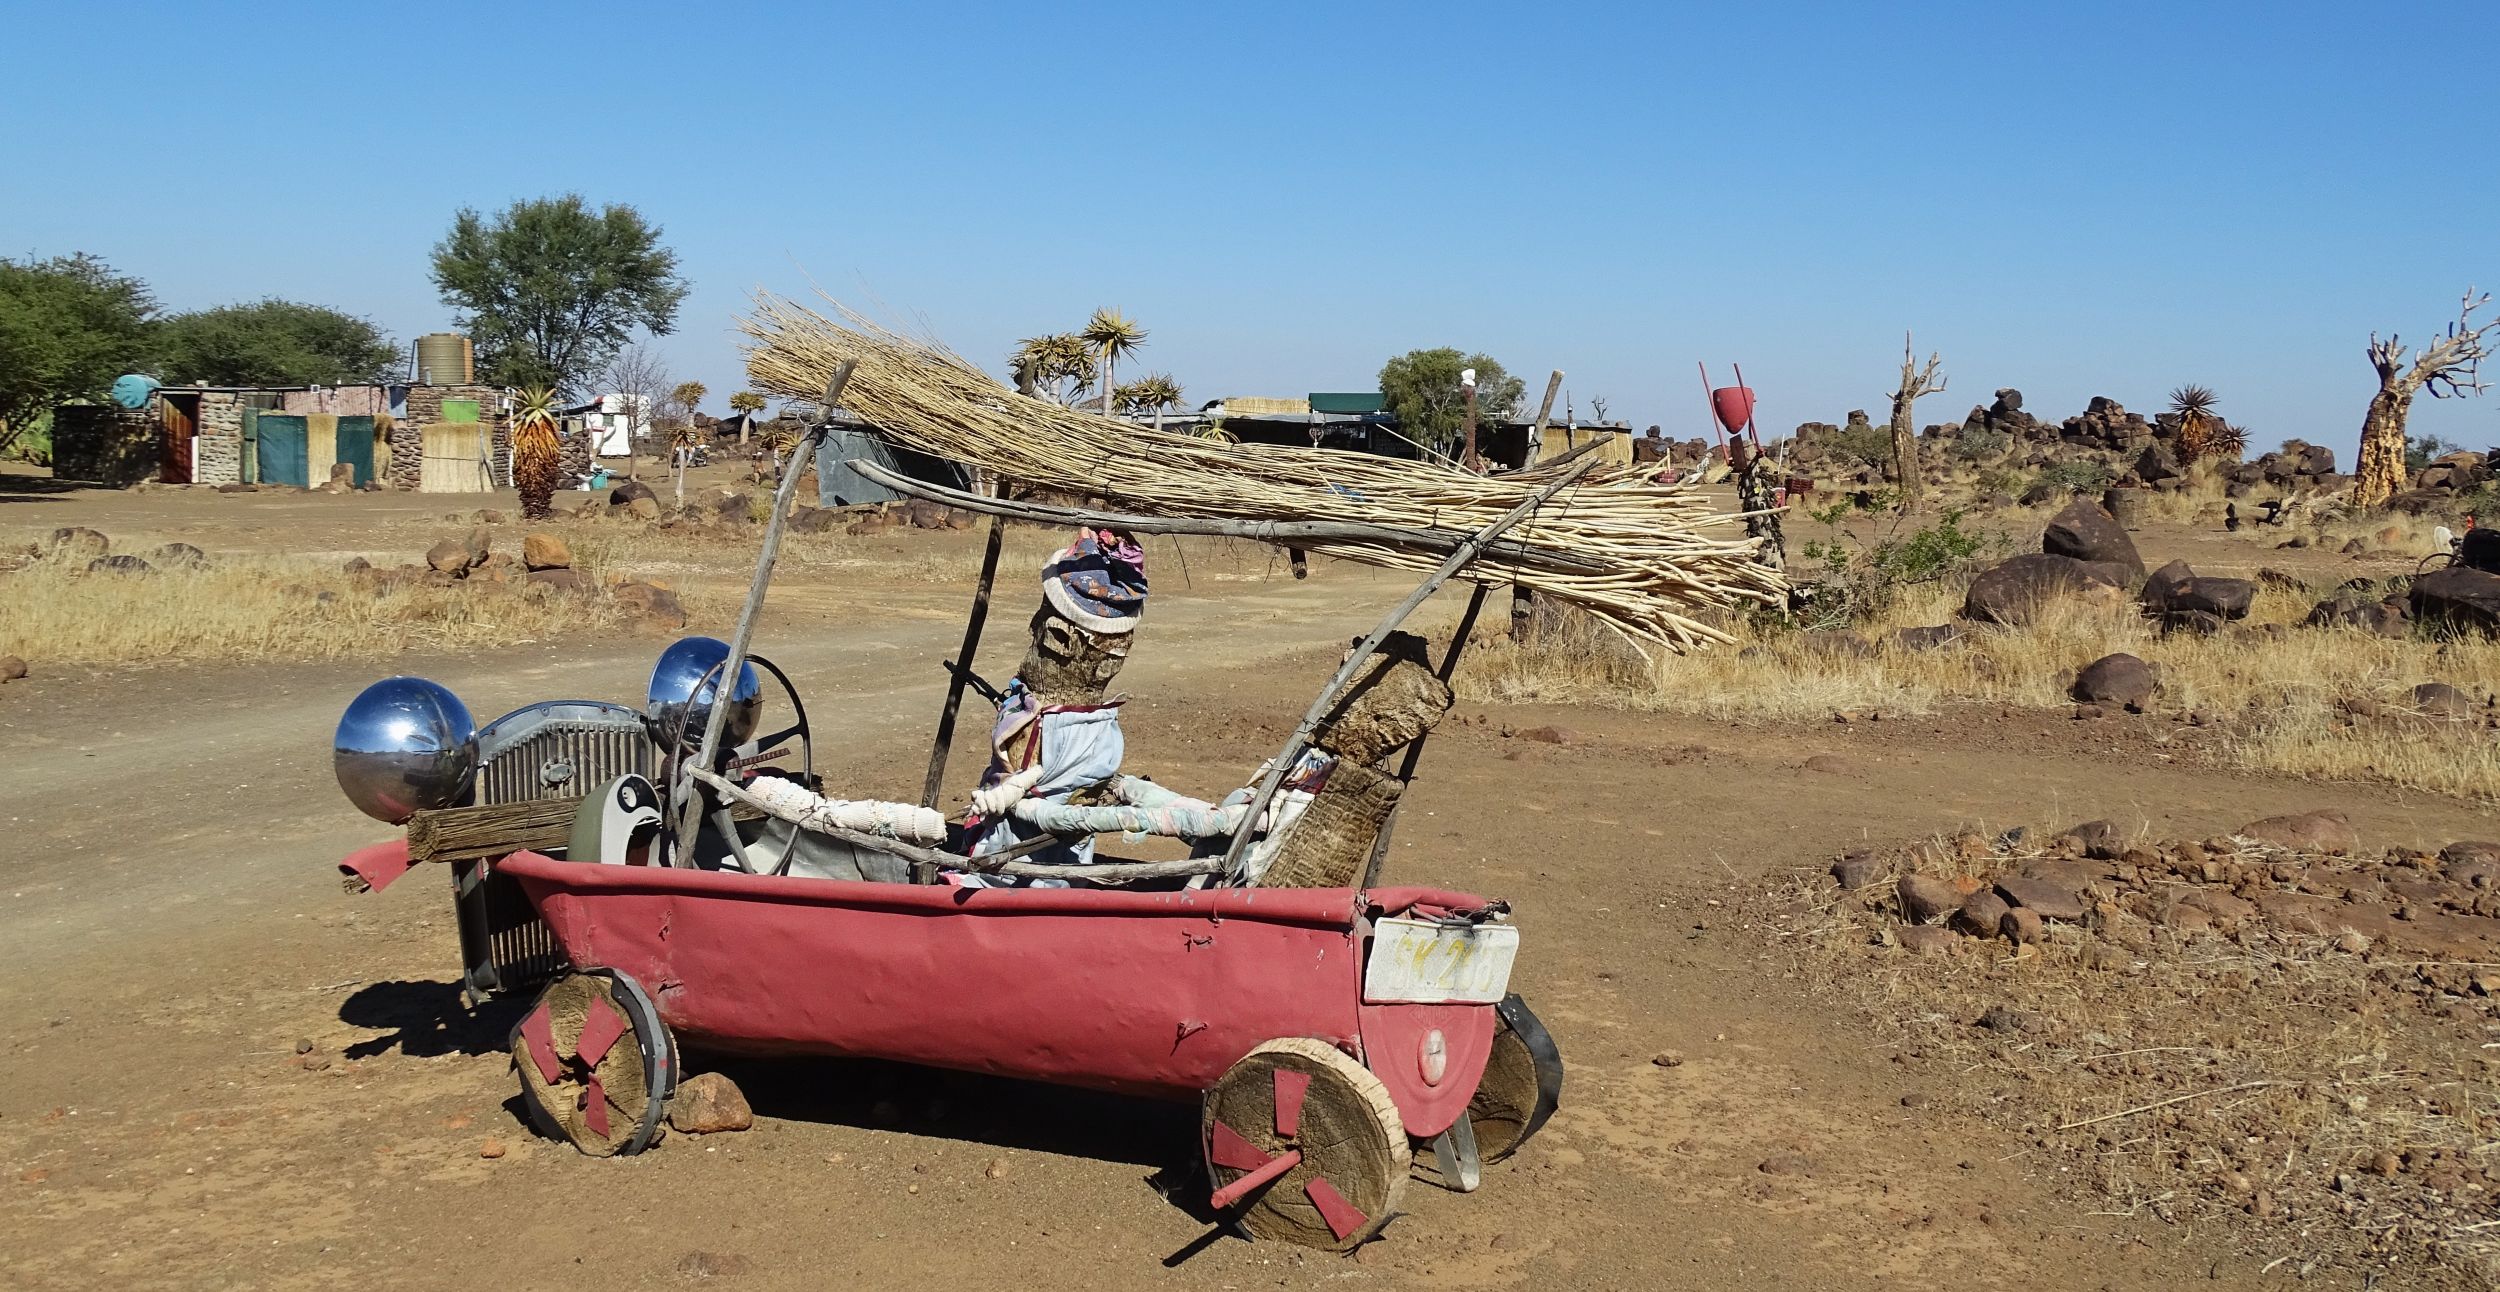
x=485, y=833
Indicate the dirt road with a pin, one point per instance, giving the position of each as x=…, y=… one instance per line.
x=176, y=933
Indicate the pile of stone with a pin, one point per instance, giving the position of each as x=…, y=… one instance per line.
x=2083, y=552
x=90, y=550
x=543, y=567
x=2298, y=466
x=2301, y=874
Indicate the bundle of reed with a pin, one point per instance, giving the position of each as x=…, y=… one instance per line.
x=1636, y=555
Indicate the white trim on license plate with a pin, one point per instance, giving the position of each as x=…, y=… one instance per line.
x=1424, y=962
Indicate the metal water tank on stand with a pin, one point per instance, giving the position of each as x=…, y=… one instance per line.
x=445, y=359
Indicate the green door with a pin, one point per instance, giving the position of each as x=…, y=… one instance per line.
x=356, y=447
x=285, y=456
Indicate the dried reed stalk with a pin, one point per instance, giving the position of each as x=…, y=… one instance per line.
x=1646, y=564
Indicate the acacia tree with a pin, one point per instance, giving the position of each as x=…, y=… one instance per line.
x=550, y=289
x=68, y=326
x=1112, y=336
x=2448, y=366
x=273, y=343
x=1916, y=380
x=1421, y=389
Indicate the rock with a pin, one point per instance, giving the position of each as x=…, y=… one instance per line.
x=237, y=486
x=492, y=1148
x=2288, y=582
x=2013, y=592
x=481, y=544
x=1832, y=765
x=118, y=565
x=626, y=491
x=643, y=508
x=1925, y=940
x=563, y=580
x=356, y=565
x=180, y=555
x=1666, y=1059
x=74, y=542
x=2320, y=831
x=2440, y=700
x=2120, y=679
x=2098, y=838
x=2086, y=533
x=2468, y=862
x=12, y=668
x=1856, y=871
x=449, y=556
x=1785, y=1164
x=2003, y=1018
x=486, y=516
x=920, y=513
x=2352, y=942
x=1935, y=637
x=544, y=551
x=2354, y=547
x=814, y=520
x=655, y=605
x=1925, y=898
x=1982, y=914
x=2350, y=609
x=2156, y=464
x=2021, y=926
x=2050, y=901
x=1551, y=735
x=707, y=1105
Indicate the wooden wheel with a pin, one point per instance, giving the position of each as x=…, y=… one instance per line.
x=1521, y=1086
x=596, y=1063
x=1306, y=1143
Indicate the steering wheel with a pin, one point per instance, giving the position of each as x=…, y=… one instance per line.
x=678, y=754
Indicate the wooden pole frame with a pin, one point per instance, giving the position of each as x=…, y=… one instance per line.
x=1301, y=738
x=1415, y=750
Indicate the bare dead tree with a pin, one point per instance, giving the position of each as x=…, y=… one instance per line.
x=1915, y=382
x=639, y=374
x=2447, y=367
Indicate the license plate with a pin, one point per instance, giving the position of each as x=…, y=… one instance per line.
x=1421, y=962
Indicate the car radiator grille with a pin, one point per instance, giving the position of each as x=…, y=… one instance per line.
x=504, y=946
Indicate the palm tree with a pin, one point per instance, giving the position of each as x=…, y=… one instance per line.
x=2194, y=406
x=536, y=458
x=1113, y=336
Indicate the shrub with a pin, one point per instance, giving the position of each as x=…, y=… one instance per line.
x=1979, y=444
x=1862, y=576
x=2076, y=475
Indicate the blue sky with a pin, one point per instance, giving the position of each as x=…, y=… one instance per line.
x=2074, y=200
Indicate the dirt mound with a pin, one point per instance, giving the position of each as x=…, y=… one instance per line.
x=2286, y=1041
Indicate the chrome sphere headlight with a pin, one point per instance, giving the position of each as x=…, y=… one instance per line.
x=683, y=686
x=405, y=745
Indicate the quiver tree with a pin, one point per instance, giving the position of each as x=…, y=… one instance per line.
x=1916, y=380
x=536, y=456
x=2446, y=367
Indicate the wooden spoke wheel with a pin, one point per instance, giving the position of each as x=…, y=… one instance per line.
x=1521, y=1086
x=1305, y=1145
x=596, y=1063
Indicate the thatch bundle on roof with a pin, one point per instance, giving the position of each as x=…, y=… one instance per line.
x=1641, y=557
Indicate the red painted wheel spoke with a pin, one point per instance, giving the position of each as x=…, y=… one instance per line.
x=1343, y=1217
x=600, y=1028
x=538, y=1035
x=1291, y=1088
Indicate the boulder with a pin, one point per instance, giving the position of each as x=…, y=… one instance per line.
x=645, y=508
x=2013, y=592
x=708, y=1105
x=2181, y=598
x=2116, y=679
x=2317, y=460
x=179, y=554
x=626, y=491
x=1920, y=940
x=2087, y=533
x=2458, y=599
x=74, y=542
x=1925, y=898
x=2099, y=839
x=1933, y=637
x=544, y=551
x=12, y=668
x=1856, y=871
x=565, y=580
x=118, y=565
x=2156, y=464
x=2440, y=700
x=814, y=520
x=2321, y=831
x=451, y=556
x=2351, y=609
x=654, y=604
x=2021, y=926
x=481, y=544
x=1982, y=914
x=2049, y=899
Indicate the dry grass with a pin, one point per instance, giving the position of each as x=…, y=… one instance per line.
x=2340, y=1101
x=2277, y=698
x=268, y=608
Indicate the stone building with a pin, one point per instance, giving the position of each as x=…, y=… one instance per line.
x=208, y=434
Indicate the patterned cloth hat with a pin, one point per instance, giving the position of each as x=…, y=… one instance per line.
x=1099, y=581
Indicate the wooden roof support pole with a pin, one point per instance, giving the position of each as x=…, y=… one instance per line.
x=939, y=748
x=1301, y=738
x=689, y=817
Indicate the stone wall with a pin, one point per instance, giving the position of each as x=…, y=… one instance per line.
x=106, y=443
x=425, y=407
x=218, y=456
